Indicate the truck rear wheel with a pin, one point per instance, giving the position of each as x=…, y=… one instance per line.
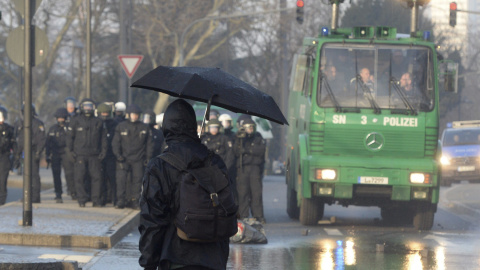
x=293, y=210
x=423, y=219
x=311, y=211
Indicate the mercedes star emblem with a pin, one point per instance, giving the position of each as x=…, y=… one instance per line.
x=374, y=141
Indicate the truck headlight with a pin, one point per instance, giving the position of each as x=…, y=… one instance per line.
x=420, y=178
x=325, y=174
x=444, y=160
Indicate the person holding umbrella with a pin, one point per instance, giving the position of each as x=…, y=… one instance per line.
x=159, y=244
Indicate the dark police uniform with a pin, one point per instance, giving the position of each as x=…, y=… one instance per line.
x=109, y=164
x=38, y=144
x=158, y=139
x=221, y=146
x=55, y=151
x=69, y=163
x=250, y=154
x=87, y=140
x=7, y=142
x=132, y=145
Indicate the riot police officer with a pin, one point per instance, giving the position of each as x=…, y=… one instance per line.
x=218, y=143
x=38, y=144
x=149, y=118
x=249, y=150
x=132, y=146
x=56, y=154
x=109, y=189
x=7, y=142
x=226, y=121
x=87, y=141
x=70, y=104
x=120, y=108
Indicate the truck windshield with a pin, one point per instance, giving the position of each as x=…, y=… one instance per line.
x=376, y=76
x=461, y=137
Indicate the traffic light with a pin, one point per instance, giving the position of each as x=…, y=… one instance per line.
x=453, y=14
x=300, y=5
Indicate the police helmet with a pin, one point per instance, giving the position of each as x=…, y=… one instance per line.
x=87, y=107
x=3, y=113
x=241, y=119
x=34, y=113
x=70, y=100
x=214, y=113
x=248, y=123
x=149, y=117
x=120, y=107
x=214, y=123
x=224, y=118
x=132, y=108
x=104, y=108
x=61, y=113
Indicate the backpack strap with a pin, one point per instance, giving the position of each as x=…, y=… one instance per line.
x=173, y=160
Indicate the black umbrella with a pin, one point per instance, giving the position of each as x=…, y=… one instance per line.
x=213, y=86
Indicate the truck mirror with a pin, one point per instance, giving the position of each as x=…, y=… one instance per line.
x=299, y=71
x=448, y=75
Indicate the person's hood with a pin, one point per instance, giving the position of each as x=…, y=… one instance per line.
x=179, y=122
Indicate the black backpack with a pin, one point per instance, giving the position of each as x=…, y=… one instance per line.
x=207, y=210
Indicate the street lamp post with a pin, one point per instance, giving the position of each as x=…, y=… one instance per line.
x=182, y=37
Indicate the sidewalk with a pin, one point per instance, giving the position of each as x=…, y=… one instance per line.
x=63, y=224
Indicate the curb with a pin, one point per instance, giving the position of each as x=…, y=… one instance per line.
x=114, y=235
x=39, y=265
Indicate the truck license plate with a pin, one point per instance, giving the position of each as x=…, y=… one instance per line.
x=466, y=168
x=373, y=180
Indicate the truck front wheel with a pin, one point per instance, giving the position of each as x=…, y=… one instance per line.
x=311, y=211
x=293, y=210
x=423, y=219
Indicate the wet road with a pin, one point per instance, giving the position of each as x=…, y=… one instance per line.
x=357, y=239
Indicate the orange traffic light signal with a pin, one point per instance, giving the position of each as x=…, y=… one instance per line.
x=300, y=12
x=453, y=14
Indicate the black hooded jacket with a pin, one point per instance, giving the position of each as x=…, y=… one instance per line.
x=159, y=244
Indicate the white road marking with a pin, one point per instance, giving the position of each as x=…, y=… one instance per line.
x=333, y=232
x=63, y=257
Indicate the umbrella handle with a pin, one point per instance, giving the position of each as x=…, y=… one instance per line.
x=206, y=116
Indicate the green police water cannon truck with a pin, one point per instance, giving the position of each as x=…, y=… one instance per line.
x=363, y=114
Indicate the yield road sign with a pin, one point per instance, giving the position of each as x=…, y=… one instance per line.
x=130, y=63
